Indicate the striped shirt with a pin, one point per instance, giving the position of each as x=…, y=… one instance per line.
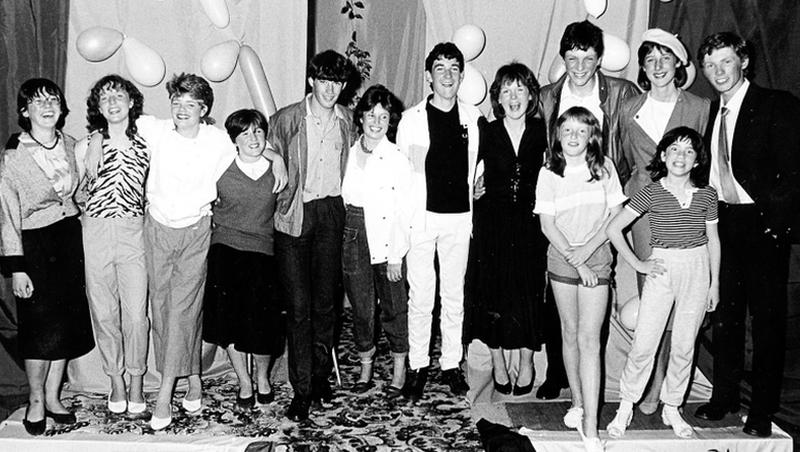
x=118, y=190
x=579, y=205
x=671, y=224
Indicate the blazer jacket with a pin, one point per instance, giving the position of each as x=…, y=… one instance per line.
x=766, y=154
x=638, y=147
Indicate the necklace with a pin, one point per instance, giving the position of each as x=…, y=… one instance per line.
x=364, y=146
x=48, y=148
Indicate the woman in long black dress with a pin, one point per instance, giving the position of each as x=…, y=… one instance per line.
x=505, y=280
x=41, y=247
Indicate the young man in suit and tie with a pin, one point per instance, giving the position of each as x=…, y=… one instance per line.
x=754, y=139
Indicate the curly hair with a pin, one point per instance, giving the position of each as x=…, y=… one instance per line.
x=95, y=119
x=595, y=159
x=510, y=73
x=699, y=173
x=379, y=95
x=35, y=88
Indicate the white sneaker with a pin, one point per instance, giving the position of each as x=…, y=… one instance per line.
x=670, y=416
x=593, y=445
x=574, y=417
x=617, y=427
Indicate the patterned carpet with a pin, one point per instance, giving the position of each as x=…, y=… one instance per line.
x=352, y=422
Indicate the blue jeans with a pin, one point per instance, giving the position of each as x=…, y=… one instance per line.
x=310, y=267
x=363, y=281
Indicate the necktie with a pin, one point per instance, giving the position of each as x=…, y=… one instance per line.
x=726, y=182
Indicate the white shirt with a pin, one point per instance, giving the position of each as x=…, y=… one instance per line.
x=590, y=102
x=182, y=182
x=734, y=105
x=653, y=117
x=253, y=170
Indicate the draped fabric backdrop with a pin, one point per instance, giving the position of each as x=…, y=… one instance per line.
x=181, y=32
x=772, y=26
x=399, y=35
x=34, y=39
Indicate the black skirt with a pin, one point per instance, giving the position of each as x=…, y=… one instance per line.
x=242, y=302
x=505, y=278
x=54, y=323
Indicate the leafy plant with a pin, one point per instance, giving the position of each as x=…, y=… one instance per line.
x=360, y=57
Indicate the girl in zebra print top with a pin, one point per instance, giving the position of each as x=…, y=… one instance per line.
x=116, y=277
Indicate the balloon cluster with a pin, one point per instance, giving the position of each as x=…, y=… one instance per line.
x=471, y=40
x=146, y=66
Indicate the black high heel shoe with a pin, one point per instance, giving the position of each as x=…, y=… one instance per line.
x=522, y=390
x=501, y=388
x=36, y=428
x=61, y=418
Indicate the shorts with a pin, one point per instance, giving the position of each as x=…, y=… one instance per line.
x=558, y=269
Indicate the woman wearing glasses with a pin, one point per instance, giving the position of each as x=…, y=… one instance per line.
x=41, y=248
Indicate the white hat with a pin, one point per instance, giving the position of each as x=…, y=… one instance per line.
x=667, y=40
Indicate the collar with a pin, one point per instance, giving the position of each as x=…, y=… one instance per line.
x=337, y=109
x=595, y=89
x=735, y=104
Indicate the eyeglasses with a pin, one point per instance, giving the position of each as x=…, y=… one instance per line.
x=42, y=101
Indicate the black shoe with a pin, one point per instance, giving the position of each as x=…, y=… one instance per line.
x=363, y=386
x=298, y=409
x=502, y=389
x=454, y=378
x=758, y=425
x=321, y=391
x=550, y=390
x=415, y=384
x=713, y=412
x=35, y=428
x=264, y=399
x=245, y=403
x=523, y=390
x=61, y=418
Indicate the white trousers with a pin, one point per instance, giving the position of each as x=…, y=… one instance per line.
x=685, y=284
x=447, y=234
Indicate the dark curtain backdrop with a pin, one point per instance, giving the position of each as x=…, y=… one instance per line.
x=34, y=40
x=772, y=26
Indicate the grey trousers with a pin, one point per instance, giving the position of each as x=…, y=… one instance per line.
x=176, y=266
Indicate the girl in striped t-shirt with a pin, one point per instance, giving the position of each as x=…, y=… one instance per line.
x=577, y=193
x=682, y=271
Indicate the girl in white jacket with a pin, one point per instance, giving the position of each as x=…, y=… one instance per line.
x=376, y=234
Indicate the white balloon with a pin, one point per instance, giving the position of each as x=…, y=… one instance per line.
x=595, y=7
x=470, y=40
x=219, y=61
x=691, y=74
x=617, y=53
x=217, y=12
x=98, y=43
x=557, y=69
x=629, y=314
x=473, y=87
x=144, y=64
